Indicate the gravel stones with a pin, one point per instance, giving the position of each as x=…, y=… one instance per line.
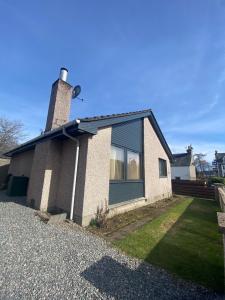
x=43, y=261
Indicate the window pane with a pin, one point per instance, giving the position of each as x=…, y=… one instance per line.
x=116, y=163
x=133, y=165
x=162, y=168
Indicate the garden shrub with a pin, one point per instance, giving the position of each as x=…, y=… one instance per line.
x=216, y=180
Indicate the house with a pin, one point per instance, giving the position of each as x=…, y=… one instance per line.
x=220, y=163
x=182, y=166
x=120, y=160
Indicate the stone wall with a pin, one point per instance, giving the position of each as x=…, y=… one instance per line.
x=221, y=197
x=221, y=215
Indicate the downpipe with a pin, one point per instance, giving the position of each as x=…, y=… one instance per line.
x=75, y=169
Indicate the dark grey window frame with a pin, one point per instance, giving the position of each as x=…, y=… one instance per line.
x=125, y=180
x=164, y=161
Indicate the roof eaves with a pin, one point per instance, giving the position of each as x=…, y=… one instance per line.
x=48, y=135
x=160, y=135
x=86, y=125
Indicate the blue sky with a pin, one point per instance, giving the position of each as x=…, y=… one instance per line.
x=127, y=55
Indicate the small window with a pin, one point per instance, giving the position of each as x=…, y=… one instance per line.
x=133, y=166
x=162, y=168
x=116, y=163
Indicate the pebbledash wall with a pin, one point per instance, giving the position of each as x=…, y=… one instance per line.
x=21, y=164
x=156, y=187
x=50, y=168
x=96, y=178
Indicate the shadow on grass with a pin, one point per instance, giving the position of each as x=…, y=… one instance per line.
x=184, y=240
x=192, y=248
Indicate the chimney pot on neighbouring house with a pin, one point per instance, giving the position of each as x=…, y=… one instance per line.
x=189, y=149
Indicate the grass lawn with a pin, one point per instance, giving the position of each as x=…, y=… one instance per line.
x=184, y=240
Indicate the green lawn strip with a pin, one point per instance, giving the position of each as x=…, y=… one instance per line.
x=183, y=240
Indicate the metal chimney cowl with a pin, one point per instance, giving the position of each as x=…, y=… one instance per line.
x=63, y=74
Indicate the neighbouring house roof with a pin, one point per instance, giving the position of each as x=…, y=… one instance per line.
x=91, y=125
x=181, y=160
x=220, y=157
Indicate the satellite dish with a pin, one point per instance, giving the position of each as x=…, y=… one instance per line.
x=76, y=91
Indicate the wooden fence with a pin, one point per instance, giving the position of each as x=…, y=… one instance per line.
x=193, y=188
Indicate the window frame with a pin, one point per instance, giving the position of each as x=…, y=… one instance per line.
x=140, y=165
x=162, y=160
x=124, y=162
x=125, y=180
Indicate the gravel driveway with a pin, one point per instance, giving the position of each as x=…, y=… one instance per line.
x=40, y=261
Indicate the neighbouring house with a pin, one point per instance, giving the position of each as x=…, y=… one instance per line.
x=219, y=163
x=183, y=166
x=121, y=161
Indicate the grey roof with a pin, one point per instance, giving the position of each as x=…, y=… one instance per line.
x=220, y=156
x=104, y=117
x=91, y=125
x=181, y=160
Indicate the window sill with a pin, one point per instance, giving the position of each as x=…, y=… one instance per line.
x=126, y=181
x=124, y=203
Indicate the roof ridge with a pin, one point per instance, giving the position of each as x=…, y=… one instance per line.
x=102, y=117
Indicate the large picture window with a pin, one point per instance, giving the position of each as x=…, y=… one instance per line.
x=133, y=166
x=162, y=168
x=125, y=164
x=117, y=163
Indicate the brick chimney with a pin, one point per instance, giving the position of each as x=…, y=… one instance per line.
x=60, y=100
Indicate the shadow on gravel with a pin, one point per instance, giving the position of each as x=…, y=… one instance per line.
x=17, y=200
x=146, y=282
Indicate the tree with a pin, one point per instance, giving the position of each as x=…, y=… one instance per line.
x=11, y=132
x=201, y=164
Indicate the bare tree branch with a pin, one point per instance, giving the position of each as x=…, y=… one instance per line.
x=201, y=164
x=11, y=132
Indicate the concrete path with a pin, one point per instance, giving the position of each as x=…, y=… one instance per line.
x=41, y=261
